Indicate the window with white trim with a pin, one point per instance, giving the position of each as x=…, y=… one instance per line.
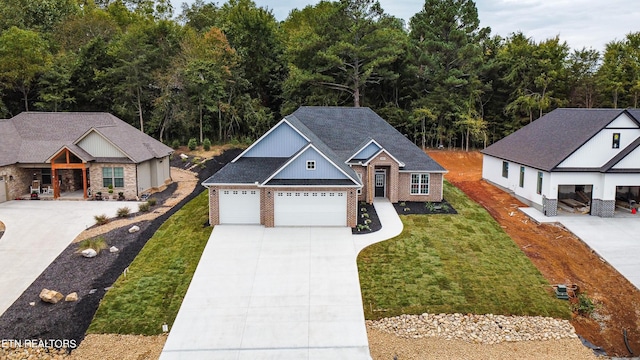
x=419, y=184
x=113, y=176
x=311, y=164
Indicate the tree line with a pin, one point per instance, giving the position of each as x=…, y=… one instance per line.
x=229, y=72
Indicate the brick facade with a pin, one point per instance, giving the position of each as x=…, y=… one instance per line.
x=383, y=161
x=130, y=181
x=267, y=208
x=435, y=188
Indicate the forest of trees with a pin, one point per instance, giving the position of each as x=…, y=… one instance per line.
x=229, y=71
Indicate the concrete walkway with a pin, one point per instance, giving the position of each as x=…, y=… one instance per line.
x=36, y=233
x=615, y=239
x=391, y=225
x=277, y=293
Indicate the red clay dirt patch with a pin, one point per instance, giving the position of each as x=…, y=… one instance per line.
x=561, y=257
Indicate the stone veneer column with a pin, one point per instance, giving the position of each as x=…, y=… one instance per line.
x=549, y=206
x=603, y=208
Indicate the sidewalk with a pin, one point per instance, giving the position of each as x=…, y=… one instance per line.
x=391, y=226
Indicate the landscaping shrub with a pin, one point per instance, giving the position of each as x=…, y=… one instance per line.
x=144, y=207
x=193, y=144
x=175, y=144
x=123, y=212
x=101, y=219
x=152, y=201
x=98, y=244
x=206, y=144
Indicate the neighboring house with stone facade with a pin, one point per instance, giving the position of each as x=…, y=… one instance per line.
x=81, y=153
x=580, y=160
x=313, y=167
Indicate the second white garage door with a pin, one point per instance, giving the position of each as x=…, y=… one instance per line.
x=239, y=207
x=310, y=208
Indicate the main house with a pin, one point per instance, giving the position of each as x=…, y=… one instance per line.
x=581, y=160
x=58, y=153
x=313, y=167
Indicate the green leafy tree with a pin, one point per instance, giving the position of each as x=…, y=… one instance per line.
x=345, y=46
x=447, y=39
x=24, y=55
x=611, y=75
x=583, y=66
x=40, y=15
x=56, y=89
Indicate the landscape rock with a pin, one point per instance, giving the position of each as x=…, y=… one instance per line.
x=484, y=329
x=113, y=249
x=72, y=297
x=89, y=253
x=50, y=296
x=134, y=228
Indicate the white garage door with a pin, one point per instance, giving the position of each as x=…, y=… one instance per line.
x=239, y=207
x=310, y=208
x=3, y=190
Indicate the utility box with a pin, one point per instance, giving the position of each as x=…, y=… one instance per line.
x=561, y=292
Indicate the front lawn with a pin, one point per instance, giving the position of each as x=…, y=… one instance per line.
x=157, y=280
x=462, y=263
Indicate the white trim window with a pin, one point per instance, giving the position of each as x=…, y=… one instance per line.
x=419, y=184
x=311, y=164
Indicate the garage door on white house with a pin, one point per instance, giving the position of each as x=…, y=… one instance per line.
x=310, y=208
x=239, y=206
x=3, y=190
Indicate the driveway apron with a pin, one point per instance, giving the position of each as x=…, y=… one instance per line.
x=36, y=233
x=272, y=293
x=614, y=239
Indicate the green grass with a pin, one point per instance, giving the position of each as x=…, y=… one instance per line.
x=157, y=281
x=461, y=263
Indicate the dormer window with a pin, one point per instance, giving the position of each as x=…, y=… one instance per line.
x=311, y=164
x=616, y=141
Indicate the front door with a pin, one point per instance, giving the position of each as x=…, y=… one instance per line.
x=380, y=184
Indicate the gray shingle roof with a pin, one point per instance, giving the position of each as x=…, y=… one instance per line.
x=35, y=136
x=546, y=142
x=246, y=171
x=345, y=130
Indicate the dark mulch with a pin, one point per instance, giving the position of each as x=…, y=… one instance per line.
x=374, y=225
x=423, y=208
x=90, y=278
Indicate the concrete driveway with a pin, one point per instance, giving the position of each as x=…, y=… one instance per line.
x=617, y=240
x=272, y=293
x=36, y=233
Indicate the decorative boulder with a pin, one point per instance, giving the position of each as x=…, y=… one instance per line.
x=71, y=297
x=183, y=156
x=50, y=296
x=89, y=253
x=134, y=228
x=113, y=249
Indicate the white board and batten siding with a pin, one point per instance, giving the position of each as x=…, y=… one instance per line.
x=239, y=206
x=310, y=208
x=599, y=150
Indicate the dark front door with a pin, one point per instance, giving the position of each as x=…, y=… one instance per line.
x=380, y=184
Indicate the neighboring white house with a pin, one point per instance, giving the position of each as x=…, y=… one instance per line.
x=584, y=160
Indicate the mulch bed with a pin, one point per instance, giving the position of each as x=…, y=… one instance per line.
x=90, y=278
x=423, y=208
x=374, y=225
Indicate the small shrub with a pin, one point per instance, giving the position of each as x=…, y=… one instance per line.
x=192, y=144
x=446, y=207
x=363, y=227
x=364, y=209
x=430, y=206
x=98, y=244
x=403, y=204
x=101, y=219
x=584, y=306
x=123, y=212
x=206, y=144
x=152, y=201
x=144, y=207
x=365, y=215
x=175, y=144
x=367, y=221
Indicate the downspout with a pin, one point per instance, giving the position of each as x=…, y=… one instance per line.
x=137, y=183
